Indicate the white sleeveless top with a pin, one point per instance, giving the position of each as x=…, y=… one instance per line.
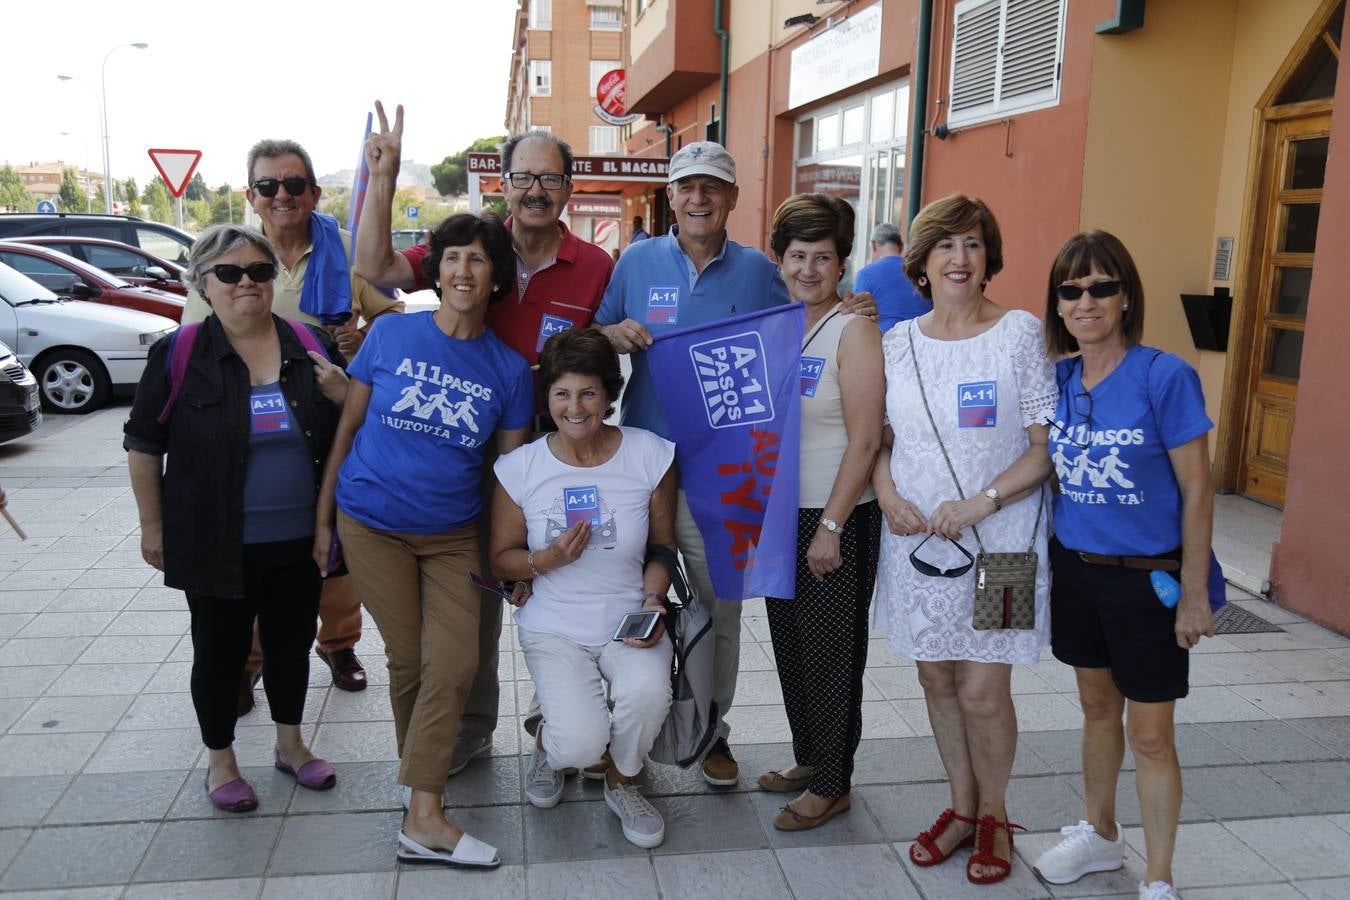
x=824, y=437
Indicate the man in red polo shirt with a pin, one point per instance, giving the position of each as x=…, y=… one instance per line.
x=560, y=280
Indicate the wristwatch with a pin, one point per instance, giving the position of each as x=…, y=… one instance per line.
x=992, y=494
x=830, y=525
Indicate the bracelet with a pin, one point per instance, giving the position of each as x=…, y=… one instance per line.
x=660, y=598
x=529, y=561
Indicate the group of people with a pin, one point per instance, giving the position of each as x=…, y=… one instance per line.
x=454, y=460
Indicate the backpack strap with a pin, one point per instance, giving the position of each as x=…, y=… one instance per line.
x=180, y=349
x=305, y=336
x=667, y=558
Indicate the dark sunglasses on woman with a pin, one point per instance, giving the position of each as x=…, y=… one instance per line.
x=295, y=185
x=1100, y=291
x=258, y=272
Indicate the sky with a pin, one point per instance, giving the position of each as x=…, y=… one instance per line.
x=220, y=75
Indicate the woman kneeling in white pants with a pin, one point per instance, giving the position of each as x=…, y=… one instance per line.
x=575, y=512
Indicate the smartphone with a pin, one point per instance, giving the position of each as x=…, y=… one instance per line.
x=638, y=625
x=500, y=588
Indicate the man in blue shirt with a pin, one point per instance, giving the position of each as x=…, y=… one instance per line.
x=639, y=233
x=884, y=278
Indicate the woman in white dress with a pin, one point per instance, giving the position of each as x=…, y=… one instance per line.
x=991, y=390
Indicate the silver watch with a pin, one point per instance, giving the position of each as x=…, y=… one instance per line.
x=830, y=525
x=992, y=494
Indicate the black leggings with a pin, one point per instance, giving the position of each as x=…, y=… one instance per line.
x=281, y=588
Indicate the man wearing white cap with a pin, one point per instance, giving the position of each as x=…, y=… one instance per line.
x=694, y=275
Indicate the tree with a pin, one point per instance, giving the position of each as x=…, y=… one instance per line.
x=451, y=175
x=132, y=196
x=72, y=196
x=156, y=199
x=196, y=189
x=225, y=207
x=14, y=197
x=335, y=202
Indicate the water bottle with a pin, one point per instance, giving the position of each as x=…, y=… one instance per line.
x=1166, y=587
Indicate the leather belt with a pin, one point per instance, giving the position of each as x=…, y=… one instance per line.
x=1131, y=562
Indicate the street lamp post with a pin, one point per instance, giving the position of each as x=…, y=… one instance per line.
x=102, y=98
x=99, y=104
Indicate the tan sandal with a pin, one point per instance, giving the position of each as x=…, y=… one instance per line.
x=788, y=819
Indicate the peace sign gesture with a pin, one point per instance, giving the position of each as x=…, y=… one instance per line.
x=384, y=146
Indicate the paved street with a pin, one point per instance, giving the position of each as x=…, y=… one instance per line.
x=101, y=765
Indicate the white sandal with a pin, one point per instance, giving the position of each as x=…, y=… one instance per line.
x=469, y=853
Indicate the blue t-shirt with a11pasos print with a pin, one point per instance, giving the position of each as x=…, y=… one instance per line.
x=435, y=402
x=1118, y=493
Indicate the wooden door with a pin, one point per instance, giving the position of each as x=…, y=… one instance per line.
x=1294, y=202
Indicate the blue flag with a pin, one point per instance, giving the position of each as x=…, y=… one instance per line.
x=732, y=395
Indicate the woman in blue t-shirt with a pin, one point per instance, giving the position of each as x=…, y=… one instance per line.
x=1131, y=457
x=428, y=391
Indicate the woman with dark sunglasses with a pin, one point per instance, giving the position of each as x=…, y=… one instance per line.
x=969, y=391
x=245, y=416
x=1135, y=503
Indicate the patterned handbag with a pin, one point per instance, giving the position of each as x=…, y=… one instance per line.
x=1005, y=583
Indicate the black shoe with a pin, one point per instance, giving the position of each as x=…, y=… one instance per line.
x=245, y=704
x=348, y=673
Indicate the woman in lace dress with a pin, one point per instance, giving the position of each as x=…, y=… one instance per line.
x=991, y=391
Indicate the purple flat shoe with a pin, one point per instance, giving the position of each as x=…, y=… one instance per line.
x=317, y=774
x=232, y=796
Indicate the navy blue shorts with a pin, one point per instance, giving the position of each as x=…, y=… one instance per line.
x=1108, y=617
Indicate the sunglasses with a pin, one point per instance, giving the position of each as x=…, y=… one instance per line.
x=932, y=571
x=1079, y=405
x=523, y=181
x=1101, y=290
x=258, y=273
x=295, y=185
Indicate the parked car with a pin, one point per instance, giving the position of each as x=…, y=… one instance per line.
x=65, y=275
x=81, y=353
x=164, y=241
x=20, y=409
x=131, y=264
x=404, y=238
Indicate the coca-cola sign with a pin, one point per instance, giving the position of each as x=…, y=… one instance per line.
x=611, y=98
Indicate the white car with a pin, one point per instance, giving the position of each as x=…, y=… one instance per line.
x=80, y=352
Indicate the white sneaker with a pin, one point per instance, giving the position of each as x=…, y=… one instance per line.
x=642, y=824
x=1081, y=851
x=543, y=785
x=1158, y=890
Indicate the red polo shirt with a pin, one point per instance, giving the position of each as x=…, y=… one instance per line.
x=564, y=294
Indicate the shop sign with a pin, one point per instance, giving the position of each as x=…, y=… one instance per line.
x=836, y=58
x=588, y=168
x=593, y=205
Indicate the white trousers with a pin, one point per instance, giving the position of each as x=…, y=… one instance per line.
x=569, y=680
x=726, y=614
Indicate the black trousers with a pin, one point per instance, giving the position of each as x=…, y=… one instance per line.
x=281, y=589
x=820, y=645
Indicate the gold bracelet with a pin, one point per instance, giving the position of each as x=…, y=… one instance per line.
x=529, y=560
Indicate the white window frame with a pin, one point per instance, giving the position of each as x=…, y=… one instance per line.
x=608, y=143
x=541, y=15
x=541, y=78
x=599, y=68
x=978, y=87
x=610, y=18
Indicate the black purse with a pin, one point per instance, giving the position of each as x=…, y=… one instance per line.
x=1005, y=583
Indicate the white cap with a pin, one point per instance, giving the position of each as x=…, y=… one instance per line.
x=702, y=158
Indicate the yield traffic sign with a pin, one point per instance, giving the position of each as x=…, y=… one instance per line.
x=176, y=167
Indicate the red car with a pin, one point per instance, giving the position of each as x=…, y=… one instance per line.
x=131, y=264
x=70, y=277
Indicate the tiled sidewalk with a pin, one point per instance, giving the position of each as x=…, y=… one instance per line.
x=101, y=778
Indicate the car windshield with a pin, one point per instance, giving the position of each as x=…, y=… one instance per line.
x=16, y=288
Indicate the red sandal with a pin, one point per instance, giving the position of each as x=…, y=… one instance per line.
x=928, y=840
x=984, y=851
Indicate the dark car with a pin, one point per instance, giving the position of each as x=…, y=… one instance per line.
x=70, y=277
x=131, y=264
x=163, y=241
x=20, y=408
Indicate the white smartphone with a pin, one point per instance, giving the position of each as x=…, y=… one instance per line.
x=638, y=625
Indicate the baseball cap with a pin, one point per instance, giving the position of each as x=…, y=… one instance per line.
x=702, y=158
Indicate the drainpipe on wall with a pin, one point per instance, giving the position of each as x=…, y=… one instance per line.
x=914, y=190
x=725, y=38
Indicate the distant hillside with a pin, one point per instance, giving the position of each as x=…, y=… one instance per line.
x=410, y=173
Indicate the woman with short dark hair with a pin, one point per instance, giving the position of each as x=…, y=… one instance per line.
x=820, y=637
x=1135, y=502
x=575, y=511
x=429, y=391
x=245, y=416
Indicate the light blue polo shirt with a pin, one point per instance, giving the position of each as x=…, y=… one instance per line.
x=655, y=284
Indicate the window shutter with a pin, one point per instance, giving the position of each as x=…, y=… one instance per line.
x=974, y=58
x=1030, y=52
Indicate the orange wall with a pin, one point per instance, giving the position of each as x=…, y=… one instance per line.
x=1309, y=568
x=1029, y=171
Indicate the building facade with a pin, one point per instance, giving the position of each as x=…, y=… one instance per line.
x=1203, y=133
